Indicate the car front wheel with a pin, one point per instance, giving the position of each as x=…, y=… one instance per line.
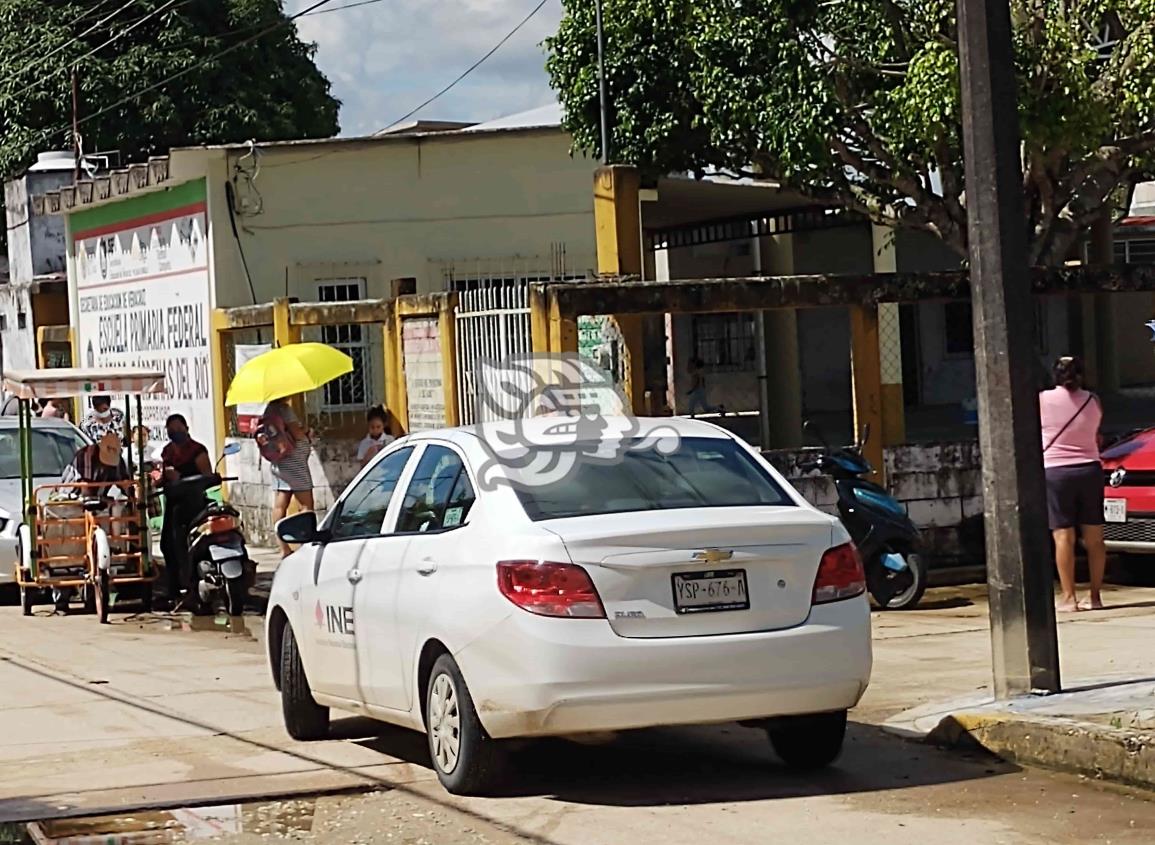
x=466, y=760
x=305, y=719
x=809, y=742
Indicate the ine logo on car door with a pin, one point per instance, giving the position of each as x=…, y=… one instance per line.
x=354, y=539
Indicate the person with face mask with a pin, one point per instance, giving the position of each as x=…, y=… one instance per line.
x=181, y=457
x=102, y=419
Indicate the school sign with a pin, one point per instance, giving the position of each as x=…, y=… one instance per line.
x=142, y=298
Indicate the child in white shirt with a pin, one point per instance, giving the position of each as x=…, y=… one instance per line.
x=377, y=438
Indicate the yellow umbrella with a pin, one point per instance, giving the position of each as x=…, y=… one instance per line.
x=286, y=371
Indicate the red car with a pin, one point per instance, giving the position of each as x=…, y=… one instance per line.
x=1129, y=494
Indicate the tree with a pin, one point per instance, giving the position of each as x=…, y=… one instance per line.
x=856, y=102
x=267, y=90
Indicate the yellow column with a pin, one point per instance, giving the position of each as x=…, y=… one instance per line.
x=284, y=334
x=890, y=343
x=396, y=397
x=618, y=225
x=447, y=331
x=539, y=319
x=866, y=382
x=563, y=334
x=220, y=375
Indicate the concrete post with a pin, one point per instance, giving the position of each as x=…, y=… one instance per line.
x=866, y=383
x=396, y=399
x=1020, y=574
x=447, y=331
x=1102, y=254
x=779, y=364
x=890, y=342
x=618, y=226
x=217, y=328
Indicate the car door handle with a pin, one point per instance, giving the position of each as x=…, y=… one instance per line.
x=426, y=567
x=354, y=576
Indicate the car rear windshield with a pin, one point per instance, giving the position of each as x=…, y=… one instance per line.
x=52, y=450
x=703, y=472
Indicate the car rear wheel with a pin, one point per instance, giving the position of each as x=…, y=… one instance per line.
x=467, y=761
x=305, y=719
x=809, y=742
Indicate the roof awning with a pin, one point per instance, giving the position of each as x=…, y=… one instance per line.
x=66, y=382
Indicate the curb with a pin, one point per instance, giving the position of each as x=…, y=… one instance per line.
x=1068, y=745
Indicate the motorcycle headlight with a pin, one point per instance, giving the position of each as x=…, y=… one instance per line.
x=879, y=500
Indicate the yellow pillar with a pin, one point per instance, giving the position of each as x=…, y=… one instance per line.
x=447, y=332
x=538, y=320
x=618, y=226
x=395, y=396
x=284, y=334
x=866, y=382
x=563, y=334
x=889, y=343
x=220, y=375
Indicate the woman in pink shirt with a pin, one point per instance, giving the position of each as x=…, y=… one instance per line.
x=1071, y=417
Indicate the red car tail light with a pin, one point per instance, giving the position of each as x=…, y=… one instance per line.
x=840, y=575
x=550, y=589
x=220, y=524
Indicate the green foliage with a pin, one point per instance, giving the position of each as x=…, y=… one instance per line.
x=267, y=90
x=856, y=102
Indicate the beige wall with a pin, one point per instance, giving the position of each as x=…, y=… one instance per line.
x=402, y=207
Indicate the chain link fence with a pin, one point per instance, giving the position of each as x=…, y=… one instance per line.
x=890, y=342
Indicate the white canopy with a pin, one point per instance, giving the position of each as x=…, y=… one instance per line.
x=74, y=381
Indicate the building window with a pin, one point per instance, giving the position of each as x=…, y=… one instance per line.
x=1135, y=251
x=348, y=392
x=959, y=328
x=724, y=342
x=21, y=320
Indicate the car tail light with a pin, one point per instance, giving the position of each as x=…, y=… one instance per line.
x=840, y=575
x=550, y=589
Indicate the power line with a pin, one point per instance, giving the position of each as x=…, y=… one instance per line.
x=472, y=67
x=41, y=59
x=32, y=48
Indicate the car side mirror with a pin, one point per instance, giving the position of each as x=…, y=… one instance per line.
x=300, y=528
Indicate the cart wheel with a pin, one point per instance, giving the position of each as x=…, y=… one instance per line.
x=146, y=598
x=27, y=600
x=88, y=594
x=24, y=564
x=103, y=598
x=101, y=562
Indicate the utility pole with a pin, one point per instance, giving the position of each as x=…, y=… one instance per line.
x=1019, y=566
x=602, y=105
x=75, y=127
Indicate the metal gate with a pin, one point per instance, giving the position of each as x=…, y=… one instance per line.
x=492, y=324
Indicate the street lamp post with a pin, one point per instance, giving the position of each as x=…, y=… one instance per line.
x=1019, y=567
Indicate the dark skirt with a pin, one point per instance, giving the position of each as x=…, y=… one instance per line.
x=1075, y=495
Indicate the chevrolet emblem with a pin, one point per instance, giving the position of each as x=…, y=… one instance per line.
x=713, y=555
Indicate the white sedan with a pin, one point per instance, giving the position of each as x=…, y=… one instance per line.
x=478, y=595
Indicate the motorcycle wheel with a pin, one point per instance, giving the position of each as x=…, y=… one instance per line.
x=897, y=590
x=236, y=594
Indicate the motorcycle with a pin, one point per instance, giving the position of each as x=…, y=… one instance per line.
x=888, y=541
x=218, y=566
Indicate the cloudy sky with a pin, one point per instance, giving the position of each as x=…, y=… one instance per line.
x=387, y=57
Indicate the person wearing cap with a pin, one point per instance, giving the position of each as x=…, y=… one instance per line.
x=100, y=463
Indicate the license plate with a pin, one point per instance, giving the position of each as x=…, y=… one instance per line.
x=1115, y=510
x=219, y=553
x=706, y=592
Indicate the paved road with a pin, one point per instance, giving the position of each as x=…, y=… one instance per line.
x=150, y=712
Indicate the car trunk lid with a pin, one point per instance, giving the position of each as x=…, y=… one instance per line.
x=700, y=572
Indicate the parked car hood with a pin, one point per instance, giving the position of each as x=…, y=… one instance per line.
x=10, y=493
x=1135, y=452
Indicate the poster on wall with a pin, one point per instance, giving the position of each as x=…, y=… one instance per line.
x=424, y=380
x=248, y=414
x=141, y=276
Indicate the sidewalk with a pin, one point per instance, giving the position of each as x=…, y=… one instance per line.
x=1102, y=725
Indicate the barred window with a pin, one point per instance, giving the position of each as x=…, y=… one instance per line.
x=724, y=342
x=348, y=392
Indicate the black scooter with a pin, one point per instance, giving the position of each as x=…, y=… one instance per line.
x=218, y=564
x=888, y=541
